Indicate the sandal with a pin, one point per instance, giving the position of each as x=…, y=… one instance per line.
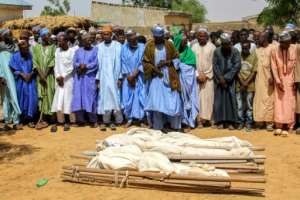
x=113, y=127
x=277, y=132
x=67, y=127
x=144, y=125
x=17, y=127
x=285, y=134
x=231, y=127
x=129, y=124
x=102, y=127
x=31, y=125
x=270, y=128
x=94, y=125
x=220, y=126
x=200, y=125
x=74, y=125
x=41, y=125
x=53, y=129
x=6, y=128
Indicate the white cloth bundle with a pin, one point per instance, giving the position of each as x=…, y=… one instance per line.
x=198, y=170
x=155, y=162
x=131, y=158
x=144, y=138
x=147, y=150
x=117, y=158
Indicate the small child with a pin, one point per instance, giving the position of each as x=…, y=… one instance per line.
x=245, y=87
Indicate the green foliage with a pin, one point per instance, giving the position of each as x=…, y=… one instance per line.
x=280, y=12
x=57, y=8
x=154, y=3
x=194, y=7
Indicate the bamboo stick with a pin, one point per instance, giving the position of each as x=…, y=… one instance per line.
x=158, y=183
x=256, y=161
x=258, y=148
x=197, y=157
x=81, y=157
x=112, y=178
x=173, y=187
x=131, y=181
x=174, y=176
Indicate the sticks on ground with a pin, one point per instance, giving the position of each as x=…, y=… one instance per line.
x=160, y=181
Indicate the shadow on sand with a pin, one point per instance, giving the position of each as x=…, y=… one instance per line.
x=9, y=152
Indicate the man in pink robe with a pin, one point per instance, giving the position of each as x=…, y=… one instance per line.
x=284, y=60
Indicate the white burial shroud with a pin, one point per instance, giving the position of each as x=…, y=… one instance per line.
x=147, y=150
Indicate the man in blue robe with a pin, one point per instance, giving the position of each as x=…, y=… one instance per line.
x=109, y=77
x=133, y=94
x=187, y=68
x=163, y=102
x=85, y=89
x=21, y=65
x=11, y=109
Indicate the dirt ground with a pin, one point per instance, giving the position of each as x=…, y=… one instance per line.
x=29, y=155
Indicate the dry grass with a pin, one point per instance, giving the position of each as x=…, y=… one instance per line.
x=55, y=24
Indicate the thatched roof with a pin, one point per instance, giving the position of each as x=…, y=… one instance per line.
x=53, y=23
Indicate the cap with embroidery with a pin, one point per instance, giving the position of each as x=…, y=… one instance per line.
x=284, y=36
x=158, y=31
x=225, y=38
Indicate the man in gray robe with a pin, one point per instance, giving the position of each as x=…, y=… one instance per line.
x=226, y=65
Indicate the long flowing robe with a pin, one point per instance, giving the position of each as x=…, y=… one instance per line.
x=283, y=67
x=109, y=72
x=204, y=58
x=11, y=109
x=133, y=98
x=263, y=103
x=225, y=105
x=297, y=79
x=43, y=59
x=160, y=97
x=189, y=92
x=84, y=88
x=26, y=91
x=187, y=75
x=62, y=100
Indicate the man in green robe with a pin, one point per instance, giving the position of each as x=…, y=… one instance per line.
x=43, y=63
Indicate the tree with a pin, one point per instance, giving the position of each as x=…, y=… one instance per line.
x=280, y=12
x=154, y=3
x=57, y=8
x=194, y=7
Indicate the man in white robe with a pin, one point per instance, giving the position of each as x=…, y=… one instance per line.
x=64, y=82
x=109, y=77
x=204, y=51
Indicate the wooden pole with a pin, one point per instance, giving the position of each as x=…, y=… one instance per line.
x=173, y=176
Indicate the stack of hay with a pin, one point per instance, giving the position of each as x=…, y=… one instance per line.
x=55, y=24
x=146, y=158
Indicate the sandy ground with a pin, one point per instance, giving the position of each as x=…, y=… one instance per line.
x=29, y=155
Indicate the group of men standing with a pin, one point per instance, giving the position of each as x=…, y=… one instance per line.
x=165, y=83
x=255, y=82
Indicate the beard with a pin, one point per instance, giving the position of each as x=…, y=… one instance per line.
x=226, y=51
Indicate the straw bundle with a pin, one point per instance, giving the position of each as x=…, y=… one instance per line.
x=53, y=23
